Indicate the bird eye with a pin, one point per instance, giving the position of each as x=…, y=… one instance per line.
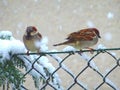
x=97, y=32
x=34, y=28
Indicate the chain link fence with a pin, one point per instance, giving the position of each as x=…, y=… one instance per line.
x=90, y=74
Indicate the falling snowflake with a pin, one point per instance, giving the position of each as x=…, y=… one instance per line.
x=110, y=15
x=90, y=24
x=108, y=36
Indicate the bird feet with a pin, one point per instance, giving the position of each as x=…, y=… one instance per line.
x=80, y=52
x=91, y=50
x=28, y=53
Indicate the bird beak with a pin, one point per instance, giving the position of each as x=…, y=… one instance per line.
x=99, y=36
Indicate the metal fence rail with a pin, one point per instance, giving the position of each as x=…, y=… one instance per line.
x=75, y=77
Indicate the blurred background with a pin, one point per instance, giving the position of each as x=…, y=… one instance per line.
x=55, y=19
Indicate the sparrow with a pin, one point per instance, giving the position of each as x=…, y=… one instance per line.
x=31, y=38
x=82, y=39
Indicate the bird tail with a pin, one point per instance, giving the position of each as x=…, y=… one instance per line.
x=64, y=43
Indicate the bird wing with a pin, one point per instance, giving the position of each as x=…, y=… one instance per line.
x=39, y=35
x=82, y=35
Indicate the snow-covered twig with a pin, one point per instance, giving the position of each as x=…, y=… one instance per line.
x=37, y=66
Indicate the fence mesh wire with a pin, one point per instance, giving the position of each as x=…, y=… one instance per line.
x=82, y=79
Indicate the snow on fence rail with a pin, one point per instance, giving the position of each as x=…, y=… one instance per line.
x=90, y=64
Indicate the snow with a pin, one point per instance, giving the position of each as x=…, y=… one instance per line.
x=69, y=48
x=10, y=46
x=111, y=83
x=83, y=55
x=42, y=44
x=20, y=25
x=18, y=32
x=92, y=63
x=108, y=36
x=110, y=15
x=15, y=11
x=58, y=7
x=34, y=72
x=4, y=50
x=91, y=6
x=5, y=2
x=39, y=68
x=60, y=27
x=75, y=11
x=55, y=56
x=101, y=46
x=90, y=24
x=87, y=58
x=5, y=34
x=59, y=1
x=17, y=46
x=43, y=60
x=58, y=59
x=45, y=63
x=36, y=0
x=13, y=47
x=113, y=53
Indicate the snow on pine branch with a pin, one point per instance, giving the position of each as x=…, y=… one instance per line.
x=10, y=46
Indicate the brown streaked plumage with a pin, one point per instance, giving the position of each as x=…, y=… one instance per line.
x=30, y=38
x=84, y=38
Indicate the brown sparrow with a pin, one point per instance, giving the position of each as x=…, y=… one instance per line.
x=82, y=39
x=30, y=39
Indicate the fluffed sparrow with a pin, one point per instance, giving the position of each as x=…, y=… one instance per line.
x=31, y=38
x=85, y=38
